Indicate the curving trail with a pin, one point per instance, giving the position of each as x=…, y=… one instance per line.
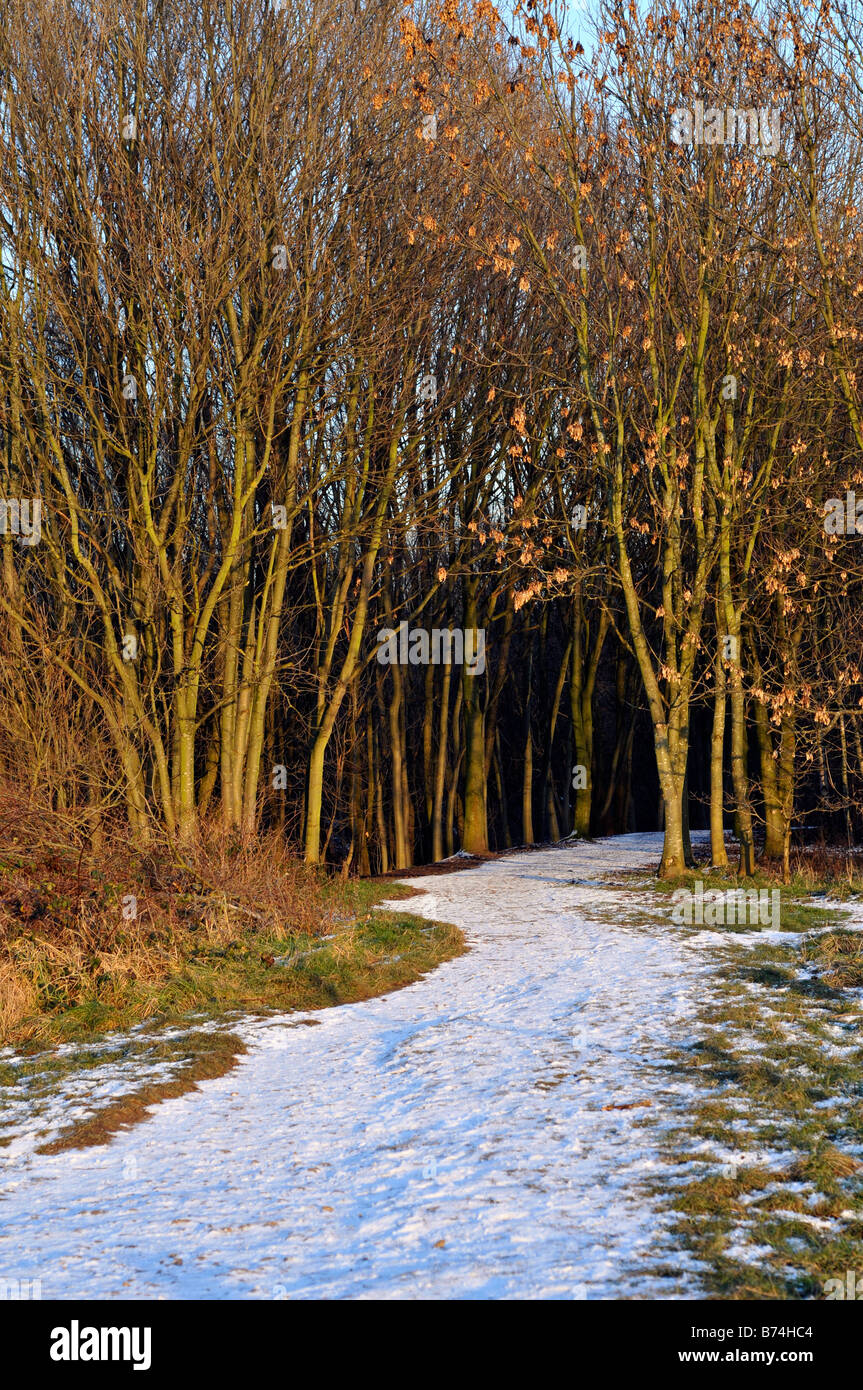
x=447, y=1140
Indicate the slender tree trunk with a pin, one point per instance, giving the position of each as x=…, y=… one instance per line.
x=739, y=774
x=774, y=838
x=718, y=853
x=527, y=774
x=402, y=857
x=475, y=839
x=455, y=770
x=440, y=767
x=428, y=756
x=787, y=753
x=552, y=823
x=501, y=792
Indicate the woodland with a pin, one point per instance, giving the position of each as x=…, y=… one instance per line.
x=323, y=318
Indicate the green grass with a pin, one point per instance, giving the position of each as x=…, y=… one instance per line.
x=776, y=1074
x=228, y=929
x=779, y=1071
x=381, y=952
x=239, y=928
x=198, y=1056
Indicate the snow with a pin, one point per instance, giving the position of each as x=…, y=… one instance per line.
x=448, y=1140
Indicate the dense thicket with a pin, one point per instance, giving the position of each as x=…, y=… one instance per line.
x=320, y=319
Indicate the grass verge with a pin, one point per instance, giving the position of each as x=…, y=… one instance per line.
x=93, y=944
x=171, y=1052
x=768, y=1194
x=206, y=1056
x=120, y=971
x=765, y=1176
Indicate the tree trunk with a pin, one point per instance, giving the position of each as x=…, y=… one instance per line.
x=475, y=839
x=718, y=852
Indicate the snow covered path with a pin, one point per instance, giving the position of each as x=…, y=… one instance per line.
x=446, y=1140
